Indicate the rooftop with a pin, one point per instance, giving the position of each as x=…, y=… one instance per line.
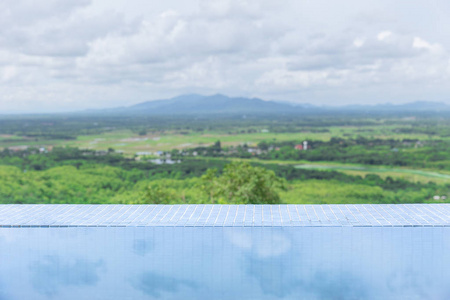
x=365, y=215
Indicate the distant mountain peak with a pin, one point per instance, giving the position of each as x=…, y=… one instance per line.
x=210, y=104
x=222, y=104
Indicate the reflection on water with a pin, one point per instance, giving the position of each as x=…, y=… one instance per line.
x=225, y=263
x=156, y=285
x=53, y=272
x=142, y=247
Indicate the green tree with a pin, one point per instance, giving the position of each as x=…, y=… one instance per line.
x=157, y=194
x=217, y=146
x=241, y=183
x=263, y=145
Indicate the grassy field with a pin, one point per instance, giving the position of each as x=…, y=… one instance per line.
x=4, y=137
x=129, y=142
x=414, y=175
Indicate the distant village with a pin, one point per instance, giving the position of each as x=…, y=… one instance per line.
x=173, y=156
x=39, y=149
x=166, y=156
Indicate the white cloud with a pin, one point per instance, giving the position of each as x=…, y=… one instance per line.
x=422, y=44
x=359, y=42
x=81, y=53
x=384, y=35
x=8, y=73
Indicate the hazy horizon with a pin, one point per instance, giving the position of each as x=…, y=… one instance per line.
x=294, y=104
x=88, y=54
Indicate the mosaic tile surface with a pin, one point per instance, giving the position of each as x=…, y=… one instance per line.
x=406, y=215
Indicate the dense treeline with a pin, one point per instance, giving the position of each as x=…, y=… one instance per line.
x=406, y=152
x=392, y=152
x=70, y=175
x=32, y=159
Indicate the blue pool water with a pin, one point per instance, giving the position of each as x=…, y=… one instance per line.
x=359, y=261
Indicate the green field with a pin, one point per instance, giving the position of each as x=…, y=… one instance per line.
x=404, y=173
x=130, y=142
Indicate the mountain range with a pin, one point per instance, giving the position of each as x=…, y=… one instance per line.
x=221, y=104
x=199, y=104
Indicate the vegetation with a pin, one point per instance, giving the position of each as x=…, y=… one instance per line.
x=242, y=183
x=228, y=159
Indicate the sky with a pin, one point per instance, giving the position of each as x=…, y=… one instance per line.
x=82, y=54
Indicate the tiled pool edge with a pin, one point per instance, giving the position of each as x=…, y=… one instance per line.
x=349, y=215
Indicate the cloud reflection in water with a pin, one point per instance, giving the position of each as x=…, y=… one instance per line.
x=225, y=263
x=52, y=273
x=156, y=285
x=142, y=247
